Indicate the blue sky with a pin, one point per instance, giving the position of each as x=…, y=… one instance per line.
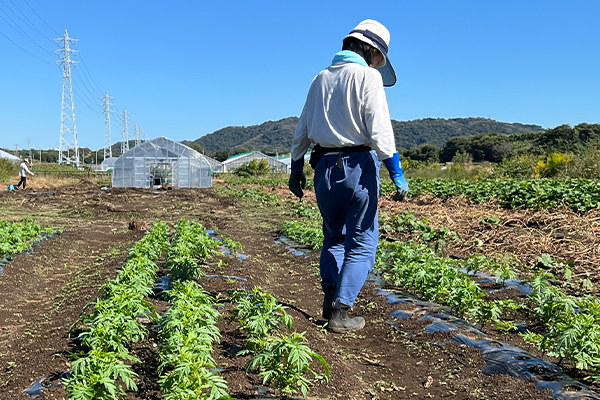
x=185, y=69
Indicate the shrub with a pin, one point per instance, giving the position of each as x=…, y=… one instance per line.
x=554, y=164
x=519, y=167
x=253, y=168
x=8, y=170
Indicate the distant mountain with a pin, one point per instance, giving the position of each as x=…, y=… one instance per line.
x=437, y=131
x=276, y=136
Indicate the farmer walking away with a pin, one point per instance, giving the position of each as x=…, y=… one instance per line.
x=23, y=171
x=345, y=117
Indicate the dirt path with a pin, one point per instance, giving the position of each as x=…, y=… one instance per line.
x=44, y=293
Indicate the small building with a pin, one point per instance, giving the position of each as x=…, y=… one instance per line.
x=238, y=160
x=161, y=161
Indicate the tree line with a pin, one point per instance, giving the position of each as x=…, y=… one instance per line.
x=495, y=147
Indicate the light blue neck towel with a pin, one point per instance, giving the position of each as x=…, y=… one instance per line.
x=348, y=56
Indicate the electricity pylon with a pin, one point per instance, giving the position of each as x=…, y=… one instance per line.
x=138, y=134
x=68, y=130
x=124, y=134
x=107, y=110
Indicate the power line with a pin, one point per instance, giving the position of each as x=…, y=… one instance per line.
x=28, y=21
x=82, y=98
x=20, y=31
x=85, y=69
x=93, y=96
x=31, y=54
x=42, y=19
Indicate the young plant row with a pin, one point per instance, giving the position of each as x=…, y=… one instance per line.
x=572, y=325
x=114, y=324
x=578, y=194
x=189, y=331
x=258, y=196
x=16, y=237
x=281, y=359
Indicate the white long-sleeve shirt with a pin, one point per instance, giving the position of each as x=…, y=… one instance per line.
x=346, y=106
x=23, y=170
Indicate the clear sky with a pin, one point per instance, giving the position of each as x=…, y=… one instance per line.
x=183, y=69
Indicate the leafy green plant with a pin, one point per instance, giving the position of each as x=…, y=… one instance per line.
x=113, y=324
x=191, y=244
x=259, y=314
x=93, y=376
x=17, y=237
x=490, y=220
x=545, y=260
x=505, y=273
x=188, y=333
x=253, y=168
x=577, y=193
x=485, y=311
x=506, y=326
x=284, y=363
x=311, y=237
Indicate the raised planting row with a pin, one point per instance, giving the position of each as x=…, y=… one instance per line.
x=571, y=325
x=578, y=194
x=100, y=370
x=281, y=359
x=188, y=331
x=16, y=237
x=188, y=328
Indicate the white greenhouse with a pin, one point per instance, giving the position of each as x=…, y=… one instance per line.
x=107, y=164
x=238, y=160
x=161, y=161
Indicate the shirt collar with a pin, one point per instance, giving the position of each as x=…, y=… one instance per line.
x=348, y=56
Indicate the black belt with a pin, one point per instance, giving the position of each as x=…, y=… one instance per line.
x=320, y=151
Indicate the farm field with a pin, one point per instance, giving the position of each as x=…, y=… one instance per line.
x=45, y=292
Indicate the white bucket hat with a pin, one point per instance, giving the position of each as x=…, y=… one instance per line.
x=375, y=34
x=26, y=160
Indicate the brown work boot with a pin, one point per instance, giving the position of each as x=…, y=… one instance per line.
x=341, y=323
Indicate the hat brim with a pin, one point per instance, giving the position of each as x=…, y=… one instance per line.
x=387, y=73
x=386, y=70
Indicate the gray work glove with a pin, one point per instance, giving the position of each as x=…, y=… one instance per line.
x=297, y=182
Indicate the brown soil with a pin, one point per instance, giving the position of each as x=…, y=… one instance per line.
x=45, y=292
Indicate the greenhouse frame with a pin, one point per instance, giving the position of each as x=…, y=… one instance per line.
x=244, y=158
x=107, y=164
x=160, y=162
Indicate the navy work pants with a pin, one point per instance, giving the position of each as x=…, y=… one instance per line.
x=347, y=192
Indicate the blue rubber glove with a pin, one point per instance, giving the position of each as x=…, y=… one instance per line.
x=394, y=167
x=297, y=180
